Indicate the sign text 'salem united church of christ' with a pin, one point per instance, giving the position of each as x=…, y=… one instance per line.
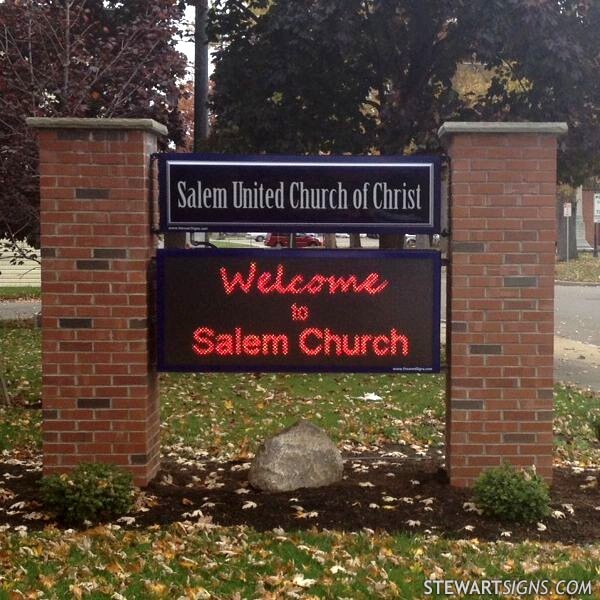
x=319, y=194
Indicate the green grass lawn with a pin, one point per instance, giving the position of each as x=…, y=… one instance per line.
x=19, y=292
x=584, y=269
x=225, y=416
x=198, y=561
x=238, y=242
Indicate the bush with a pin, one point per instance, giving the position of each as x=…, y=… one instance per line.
x=595, y=424
x=92, y=492
x=512, y=495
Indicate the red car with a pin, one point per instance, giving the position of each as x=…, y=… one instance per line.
x=303, y=240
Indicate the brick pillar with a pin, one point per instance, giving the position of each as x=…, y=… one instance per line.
x=501, y=296
x=99, y=388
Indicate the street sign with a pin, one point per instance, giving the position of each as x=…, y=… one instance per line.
x=298, y=310
x=596, y=208
x=567, y=209
x=206, y=192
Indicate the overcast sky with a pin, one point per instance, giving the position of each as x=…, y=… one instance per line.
x=188, y=47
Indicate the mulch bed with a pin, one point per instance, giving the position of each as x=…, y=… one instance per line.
x=395, y=496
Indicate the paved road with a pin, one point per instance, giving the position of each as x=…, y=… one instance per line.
x=578, y=313
x=577, y=341
x=22, y=309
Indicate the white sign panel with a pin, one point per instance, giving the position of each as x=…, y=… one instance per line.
x=567, y=209
x=596, y=208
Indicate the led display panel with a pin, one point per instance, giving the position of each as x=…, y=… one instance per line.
x=298, y=310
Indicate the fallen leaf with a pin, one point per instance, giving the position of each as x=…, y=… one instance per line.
x=303, y=582
x=337, y=569
x=569, y=508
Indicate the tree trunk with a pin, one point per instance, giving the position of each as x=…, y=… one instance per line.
x=355, y=240
x=175, y=239
x=329, y=240
x=391, y=241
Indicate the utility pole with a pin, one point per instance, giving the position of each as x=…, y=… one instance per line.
x=596, y=223
x=201, y=81
x=200, y=75
x=176, y=239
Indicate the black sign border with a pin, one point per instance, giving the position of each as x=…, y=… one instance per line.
x=288, y=227
x=349, y=255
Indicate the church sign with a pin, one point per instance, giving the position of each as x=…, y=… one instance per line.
x=298, y=310
x=321, y=194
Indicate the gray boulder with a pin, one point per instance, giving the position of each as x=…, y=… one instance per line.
x=301, y=456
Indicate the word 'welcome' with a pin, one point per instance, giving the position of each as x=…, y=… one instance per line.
x=269, y=283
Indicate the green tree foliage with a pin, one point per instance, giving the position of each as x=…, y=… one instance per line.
x=79, y=58
x=271, y=92
x=380, y=75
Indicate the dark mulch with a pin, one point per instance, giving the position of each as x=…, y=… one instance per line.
x=180, y=490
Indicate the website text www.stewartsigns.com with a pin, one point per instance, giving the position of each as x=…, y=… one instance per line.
x=507, y=587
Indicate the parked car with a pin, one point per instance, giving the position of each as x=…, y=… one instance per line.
x=347, y=235
x=257, y=237
x=410, y=240
x=303, y=240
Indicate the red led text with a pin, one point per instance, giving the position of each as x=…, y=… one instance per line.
x=299, y=313
x=268, y=282
x=312, y=341
x=315, y=342
x=238, y=343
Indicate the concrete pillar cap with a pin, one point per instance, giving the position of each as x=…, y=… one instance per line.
x=454, y=127
x=149, y=125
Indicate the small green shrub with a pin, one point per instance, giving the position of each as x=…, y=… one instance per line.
x=92, y=492
x=509, y=494
x=595, y=423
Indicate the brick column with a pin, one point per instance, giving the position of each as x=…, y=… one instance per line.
x=99, y=388
x=501, y=296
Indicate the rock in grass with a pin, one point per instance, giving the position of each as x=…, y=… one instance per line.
x=301, y=456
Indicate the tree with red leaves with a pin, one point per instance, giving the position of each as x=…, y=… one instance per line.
x=80, y=58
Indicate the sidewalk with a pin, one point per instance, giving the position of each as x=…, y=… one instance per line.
x=577, y=363
x=19, y=309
